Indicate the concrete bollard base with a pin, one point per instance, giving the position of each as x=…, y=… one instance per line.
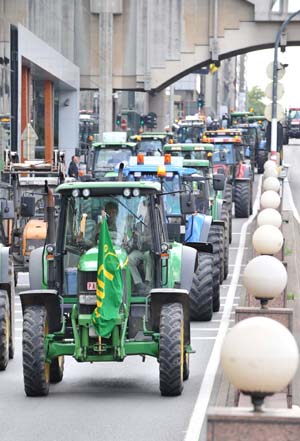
x=243, y=424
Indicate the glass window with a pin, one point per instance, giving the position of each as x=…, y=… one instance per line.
x=124, y=215
x=223, y=154
x=109, y=158
x=154, y=146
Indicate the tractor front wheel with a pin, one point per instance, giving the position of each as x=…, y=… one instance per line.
x=171, y=349
x=201, y=293
x=36, y=370
x=4, y=329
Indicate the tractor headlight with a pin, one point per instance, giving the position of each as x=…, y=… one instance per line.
x=75, y=193
x=86, y=192
x=136, y=192
x=50, y=249
x=127, y=192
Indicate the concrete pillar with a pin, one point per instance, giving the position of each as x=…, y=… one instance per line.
x=105, y=70
x=159, y=104
x=49, y=120
x=68, y=123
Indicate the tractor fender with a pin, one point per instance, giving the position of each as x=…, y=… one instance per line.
x=162, y=296
x=188, y=267
x=5, y=263
x=219, y=208
x=205, y=228
x=36, y=268
x=48, y=298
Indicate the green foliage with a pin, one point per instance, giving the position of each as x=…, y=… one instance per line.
x=254, y=97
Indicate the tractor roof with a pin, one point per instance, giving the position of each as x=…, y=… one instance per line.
x=108, y=186
x=123, y=145
x=188, y=147
x=196, y=163
x=151, y=135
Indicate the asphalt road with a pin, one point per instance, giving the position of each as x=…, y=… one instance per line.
x=112, y=401
x=291, y=155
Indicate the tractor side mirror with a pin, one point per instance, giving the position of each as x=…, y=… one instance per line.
x=7, y=209
x=27, y=206
x=187, y=203
x=219, y=182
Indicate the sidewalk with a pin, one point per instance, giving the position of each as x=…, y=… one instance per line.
x=291, y=232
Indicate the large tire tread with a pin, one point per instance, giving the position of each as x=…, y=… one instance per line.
x=242, y=199
x=4, y=329
x=36, y=377
x=171, y=349
x=201, y=293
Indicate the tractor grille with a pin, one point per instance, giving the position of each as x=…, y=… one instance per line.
x=87, y=287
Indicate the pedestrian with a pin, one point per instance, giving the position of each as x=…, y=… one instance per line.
x=73, y=167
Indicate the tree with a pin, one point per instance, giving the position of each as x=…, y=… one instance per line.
x=254, y=101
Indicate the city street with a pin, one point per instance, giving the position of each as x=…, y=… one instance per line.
x=119, y=401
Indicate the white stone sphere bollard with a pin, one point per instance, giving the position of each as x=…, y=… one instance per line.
x=271, y=183
x=267, y=239
x=270, y=172
x=270, y=199
x=269, y=163
x=269, y=216
x=265, y=277
x=259, y=355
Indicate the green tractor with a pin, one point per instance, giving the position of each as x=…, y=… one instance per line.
x=7, y=285
x=84, y=301
x=200, y=157
x=209, y=200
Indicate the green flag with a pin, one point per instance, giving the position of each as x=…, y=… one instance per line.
x=109, y=285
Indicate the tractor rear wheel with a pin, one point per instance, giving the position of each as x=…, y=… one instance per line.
x=261, y=159
x=201, y=293
x=242, y=199
x=171, y=349
x=215, y=237
x=225, y=218
x=57, y=369
x=4, y=329
x=36, y=370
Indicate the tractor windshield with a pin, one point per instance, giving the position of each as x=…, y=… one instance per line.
x=189, y=134
x=191, y=154
x=109, y=158
x=151, y=147
x=124, y=215
x=223, y=154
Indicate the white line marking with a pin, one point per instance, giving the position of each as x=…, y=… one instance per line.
x=18, y=320
x=219, y=320
x=205, y=329
x=226, y=286
x=237, y=248
x=199, y=411
x=203, y=338
x=232, y=264
x=288, y=194
x=238, y=234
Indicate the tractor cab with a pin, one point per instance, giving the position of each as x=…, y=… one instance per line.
x=190, y=131
x=237, y=118
x=230, y=158
x=109, y=155
x=152, y=143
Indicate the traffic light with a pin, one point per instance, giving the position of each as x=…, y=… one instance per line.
x=201, y=103
x=142, y=120
x=151, y=120
x=119, y=119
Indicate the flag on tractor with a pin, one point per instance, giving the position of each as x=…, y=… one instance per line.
x=109, y=285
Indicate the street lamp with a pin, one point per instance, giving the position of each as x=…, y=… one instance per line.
x=274, y=89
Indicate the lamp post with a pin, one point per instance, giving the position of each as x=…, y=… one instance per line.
x=275, y=79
